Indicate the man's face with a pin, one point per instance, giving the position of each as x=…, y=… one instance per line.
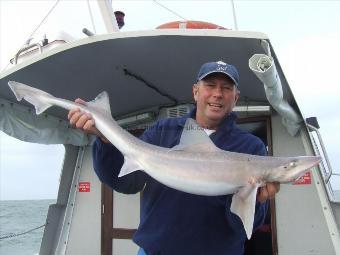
x=216, y=96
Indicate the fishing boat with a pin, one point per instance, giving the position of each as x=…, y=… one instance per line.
x=148, y=75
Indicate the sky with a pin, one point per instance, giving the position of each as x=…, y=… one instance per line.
x=305, y=36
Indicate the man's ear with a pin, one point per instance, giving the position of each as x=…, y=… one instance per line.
x=195, y=91
x=237, y=96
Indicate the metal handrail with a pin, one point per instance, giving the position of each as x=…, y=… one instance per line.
x=330, y=172
x=27, y=48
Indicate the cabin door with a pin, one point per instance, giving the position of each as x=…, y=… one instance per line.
x=263, y=241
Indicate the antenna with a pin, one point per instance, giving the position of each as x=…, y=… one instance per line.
x=166, y=8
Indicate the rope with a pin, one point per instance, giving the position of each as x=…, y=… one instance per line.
x=20, y=234
x=170, y=10
x=49, y=12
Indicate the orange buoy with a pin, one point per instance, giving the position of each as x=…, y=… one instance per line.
x=190, y=24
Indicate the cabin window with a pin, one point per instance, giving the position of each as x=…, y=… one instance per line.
x=29, y=181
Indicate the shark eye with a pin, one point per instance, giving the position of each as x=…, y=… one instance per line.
x=292, y=164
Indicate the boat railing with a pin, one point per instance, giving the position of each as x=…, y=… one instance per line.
x=31, y=50
x=326, y=169
x=25, y=49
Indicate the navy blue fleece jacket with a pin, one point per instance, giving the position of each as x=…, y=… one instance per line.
x=177, y=223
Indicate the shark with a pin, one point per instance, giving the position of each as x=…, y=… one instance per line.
x=194, y=166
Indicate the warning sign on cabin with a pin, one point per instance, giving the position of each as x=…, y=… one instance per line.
x=84, y=186
x=304, y=179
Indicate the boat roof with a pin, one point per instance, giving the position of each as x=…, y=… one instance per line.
x=142, y=69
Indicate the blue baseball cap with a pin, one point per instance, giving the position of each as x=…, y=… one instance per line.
x=219, y=67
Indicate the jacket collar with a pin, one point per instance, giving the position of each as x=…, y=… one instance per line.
x=226, y=124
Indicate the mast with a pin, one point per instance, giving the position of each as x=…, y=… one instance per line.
x=108, y=15
x=234, y=15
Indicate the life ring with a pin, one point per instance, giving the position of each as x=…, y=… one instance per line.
x=190, y=24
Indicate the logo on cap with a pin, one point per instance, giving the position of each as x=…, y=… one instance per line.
x=221, y=63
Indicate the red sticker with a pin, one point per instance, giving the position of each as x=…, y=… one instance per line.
x=84, y=187
x=304, y=179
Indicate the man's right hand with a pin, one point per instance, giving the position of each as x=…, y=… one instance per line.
x=84, y=121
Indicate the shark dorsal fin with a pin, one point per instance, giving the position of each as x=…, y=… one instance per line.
x=101, y=102
x=195, y=139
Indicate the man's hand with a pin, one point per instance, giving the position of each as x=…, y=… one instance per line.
x=268, y=191
x=84, y=121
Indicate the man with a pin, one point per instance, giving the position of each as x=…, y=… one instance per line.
x=120, y=18
x=173, y=222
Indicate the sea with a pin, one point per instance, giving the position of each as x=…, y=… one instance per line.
x=21, y=216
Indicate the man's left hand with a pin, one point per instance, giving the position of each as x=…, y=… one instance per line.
x=268, y=191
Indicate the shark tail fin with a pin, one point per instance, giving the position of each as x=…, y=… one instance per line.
x=31, y=95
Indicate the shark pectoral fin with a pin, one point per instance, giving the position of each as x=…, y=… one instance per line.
x=128, y=167
x=243, y=205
